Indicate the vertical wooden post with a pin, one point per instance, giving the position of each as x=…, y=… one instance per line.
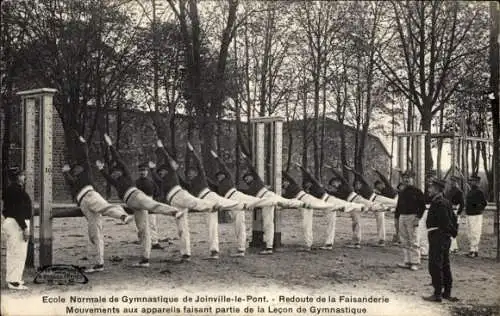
x=258, y=160
x=277, y=131
x=45, y=126
x=29, y=128
x=261, y=142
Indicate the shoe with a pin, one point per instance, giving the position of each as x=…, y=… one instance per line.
x=240, y=253
x=472, y=254
x=16, y=286
x=432, y=298
x=126, y=219
x=307, y=249
x=476, y=254
x=214, y=255
x=267, y=251
x=405, y=265
x=157, y=247
x=144, y=263
x=186, y=258
x=326, y=247
x=454, y=251
x=96, y=268
x=354, y=246
x=414, y=267
x=450, y=298
x=381, y=243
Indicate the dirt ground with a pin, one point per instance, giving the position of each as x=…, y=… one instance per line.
x=370, y=271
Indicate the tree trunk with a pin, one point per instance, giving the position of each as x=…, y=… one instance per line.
x=426, y=126
x=316, y=78
x=440, y=144
x=304, y=130
x=7, y=109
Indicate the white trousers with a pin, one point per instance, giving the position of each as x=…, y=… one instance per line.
x=474, y=229
x=307, y=218
x=380, y=215
x=138, y=200
x=380, y=219
x=423, y=239
x=95, y=247
x=339, y=203
x=385, y=201
x=372, y=206
x=93, y=207
x=153, y=226
x=184, y=201
x=95, y=203
x=267, y=216
x=279, y=200
x=408, y=232
x=16, y=250
x=144, y=232
x=212, y=218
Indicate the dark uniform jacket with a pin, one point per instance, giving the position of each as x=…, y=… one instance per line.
x=227, y=184
x=171, y=179
x=257, y=184
x=475, y=201
x=148, y=186
x=388, y=190
x=198, y=183
x=411, y=201
x=76, y=179
x=456, y=197
x=345, y=188
x=17, y=204
x=293, y=188
x=439, y=214
x=316, y=189
x=125, y=181
x=365, y=191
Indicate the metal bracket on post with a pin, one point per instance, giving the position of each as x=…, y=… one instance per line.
x=45, y=97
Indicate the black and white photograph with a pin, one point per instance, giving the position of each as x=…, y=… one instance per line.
x=245, y=157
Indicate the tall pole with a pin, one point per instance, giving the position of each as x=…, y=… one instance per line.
x=494, y=86
x=155, y=59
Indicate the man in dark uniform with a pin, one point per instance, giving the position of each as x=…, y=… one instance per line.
x=197, y=185
x=456, y=197
x=80, y=180
x=172, y=187
x=316, y=199
x=121, y=179
x=474, y=207
x=224, y=186
x=439, y=227
x=16, y=228
x=150, y=188
x=362, y=187
x=409, y=210
x=423, y=243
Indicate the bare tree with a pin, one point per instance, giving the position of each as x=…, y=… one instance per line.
x=433, y=38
